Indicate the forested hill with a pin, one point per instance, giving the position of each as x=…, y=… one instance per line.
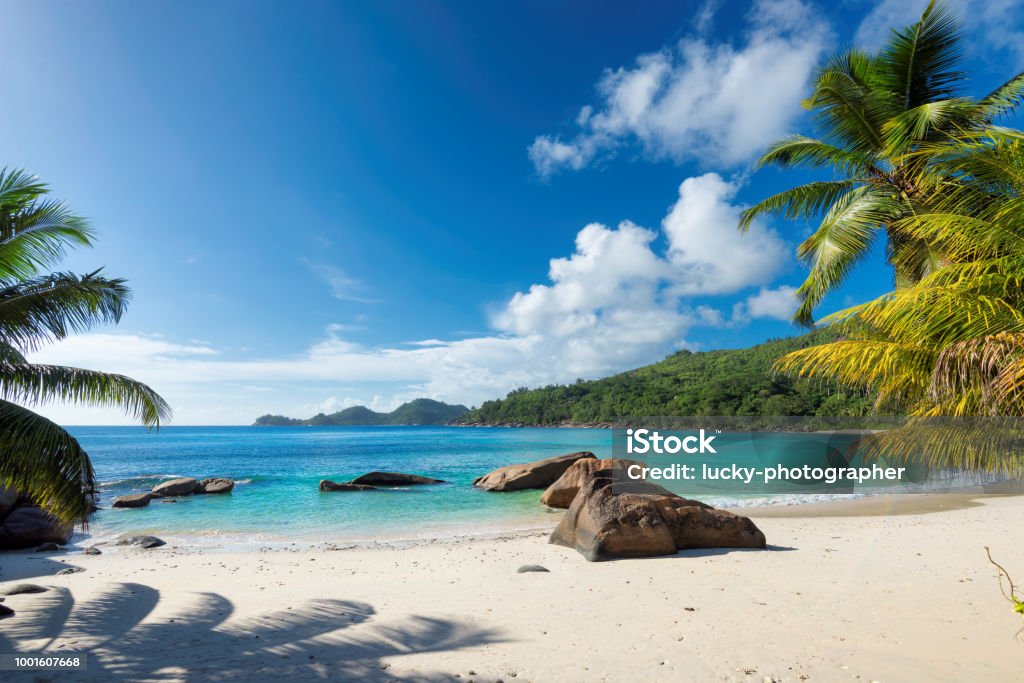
x=727, y=382
x=422, y=411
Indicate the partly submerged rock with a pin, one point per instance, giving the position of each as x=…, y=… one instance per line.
x=328, y=485
x=5, y=611
x=531, y=475
x=141, y=541
x=132, y=500
x=610, y=519
x=28, y=526
x=47, y=547
x=394, y=479
x=561, y=493
x=23, y=589
x=526, y=568
x=183, y=486
x=215, y=485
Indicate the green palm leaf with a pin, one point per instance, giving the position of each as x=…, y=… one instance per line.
x=42, y=384
x=804, y=201
x=36, y=236
x=918, y=62
x=42, y=461
x=34, y=312
x=39, y=459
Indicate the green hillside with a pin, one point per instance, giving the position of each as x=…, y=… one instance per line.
x=719, y=383
x=422, y=411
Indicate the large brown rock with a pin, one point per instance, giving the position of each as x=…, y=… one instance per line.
x=531, y=475
x=185, y=486
x=609, y=519
x=561, y=493
x=215, y=485
x=132, y=500
x=394, y=479
x=327, y=485
x=28, y=527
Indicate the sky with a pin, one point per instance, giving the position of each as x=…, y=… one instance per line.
x=326, y=204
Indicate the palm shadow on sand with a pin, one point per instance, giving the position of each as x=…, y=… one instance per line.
x=198, y=642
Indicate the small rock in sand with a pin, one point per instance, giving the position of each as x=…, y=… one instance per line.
x=531, y=568
x=142, y=541
x=23, y=588
x=70, y=570
x=92, y=550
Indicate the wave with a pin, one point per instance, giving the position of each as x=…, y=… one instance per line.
x=151, y=480
x=144, y=480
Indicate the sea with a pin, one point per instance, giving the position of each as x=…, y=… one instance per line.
x=276, y=500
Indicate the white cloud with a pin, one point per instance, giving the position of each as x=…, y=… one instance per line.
x=705, y=249
x=717, y=103
x=779, y=304
x=997, y=22
x=623, y=298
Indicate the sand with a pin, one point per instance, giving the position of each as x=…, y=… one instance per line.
x=836, y=597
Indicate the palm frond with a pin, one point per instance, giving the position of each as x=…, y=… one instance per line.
x=918, y=61
x=799, y=151
x=1003, y=100
x=43, y=309
x=34, y=384
x=36, y=236
x=17, y=188
x=803, y=201
x=847, y=103
x=925, y=121
x=841, y=241
x=41, y=460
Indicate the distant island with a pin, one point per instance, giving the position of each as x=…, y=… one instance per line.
x=422, y=411
x=736, y=382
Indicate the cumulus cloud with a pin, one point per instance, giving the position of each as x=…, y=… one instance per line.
x=625, y=296
x=707, y=254
x=997, y=22
x=714, y=102
x=779, y=304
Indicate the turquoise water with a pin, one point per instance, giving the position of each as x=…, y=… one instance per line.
x=279, y=468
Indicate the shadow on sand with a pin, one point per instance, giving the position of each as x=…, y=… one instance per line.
x=28, y=564
x=198, y=642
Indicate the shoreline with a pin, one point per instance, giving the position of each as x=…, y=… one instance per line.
x=858, y=505
x=902, y=597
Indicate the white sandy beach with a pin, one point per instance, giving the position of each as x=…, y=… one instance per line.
x=898, y=597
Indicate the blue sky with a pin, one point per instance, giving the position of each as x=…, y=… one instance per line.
x=325, y=204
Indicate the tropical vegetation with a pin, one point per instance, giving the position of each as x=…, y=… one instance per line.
x=39, y=459
x=882, y=118
x=710, y=383
x=948, y=342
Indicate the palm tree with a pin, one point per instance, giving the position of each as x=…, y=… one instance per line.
x=875, y=113
x=38, y=458
x=951, y=345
